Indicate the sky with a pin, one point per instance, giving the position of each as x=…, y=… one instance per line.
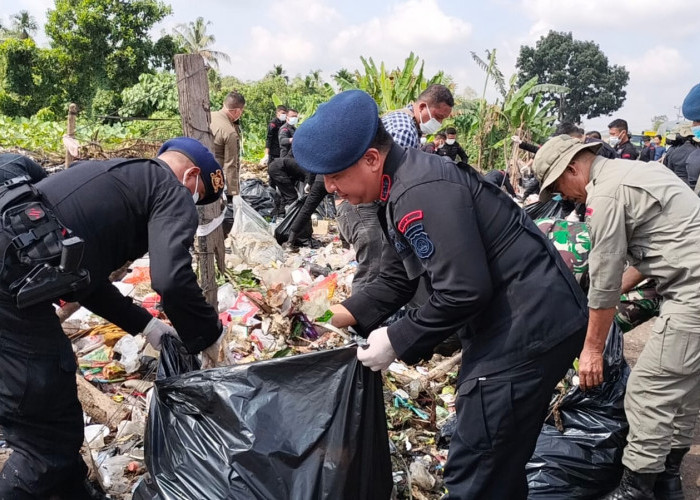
x=644, y=36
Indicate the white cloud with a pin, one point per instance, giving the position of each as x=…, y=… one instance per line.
x=660, y=65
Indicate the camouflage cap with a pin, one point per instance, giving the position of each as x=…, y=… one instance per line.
x=554, y=156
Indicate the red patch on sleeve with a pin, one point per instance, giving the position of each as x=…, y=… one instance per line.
x=408, y=219
x=589, y=211
x=627, y=155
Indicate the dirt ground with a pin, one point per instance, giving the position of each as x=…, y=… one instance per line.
x=634, y=343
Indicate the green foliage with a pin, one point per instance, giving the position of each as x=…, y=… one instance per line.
x=596, y=87
x=391, y=89
x=102, y=44
x=153, y=92
x=194, y=39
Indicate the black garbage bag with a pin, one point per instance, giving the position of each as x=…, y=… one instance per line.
x=284, y=228
x=585, y=461
x=302, y=427
x=259, y=196
x=326, y=209
x=552, y=209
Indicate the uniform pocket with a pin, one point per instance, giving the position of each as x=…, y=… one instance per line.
x=678, y=353
x=14, y=373
x=486, y=413
x=50, y=381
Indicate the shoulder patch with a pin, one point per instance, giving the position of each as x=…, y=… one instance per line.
x=409, y=218
x=420, y=241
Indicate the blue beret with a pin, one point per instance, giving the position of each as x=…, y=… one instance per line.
x=691, y=104
x=211, y=173
x=337, y=135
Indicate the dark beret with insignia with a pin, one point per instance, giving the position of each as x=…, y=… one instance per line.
x=346, y=125
x=210, y=171
x=691, y=104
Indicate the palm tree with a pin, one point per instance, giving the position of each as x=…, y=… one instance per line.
x=23, y=24
x=278, y=71
x=194, y=39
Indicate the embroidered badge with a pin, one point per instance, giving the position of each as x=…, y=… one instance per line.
x=408, y=219
x=386, y=188
x=399, y=245
x=420, y=241
x=217, y=180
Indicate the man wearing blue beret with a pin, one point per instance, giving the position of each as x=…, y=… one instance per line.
x=120, y=209
x=494, y=280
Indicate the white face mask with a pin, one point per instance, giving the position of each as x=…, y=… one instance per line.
x=293, y=120
x=282, y=117
x=614, y=141
x=195, y=195
x=431, y=126
x=450, y=141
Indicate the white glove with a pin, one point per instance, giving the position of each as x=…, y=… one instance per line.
x=378, y=354
x=264, y=160
x=155, y=329
x=210, y=355
x=516, y=139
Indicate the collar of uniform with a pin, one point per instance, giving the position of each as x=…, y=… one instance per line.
x=391, y=164
x=596, y=168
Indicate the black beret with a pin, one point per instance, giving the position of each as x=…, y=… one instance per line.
x=691, y=104
x=337, y=135
x=210, y=171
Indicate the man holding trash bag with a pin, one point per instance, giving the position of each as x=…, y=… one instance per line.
x=115, y=211
x=494, y=279
x=651, y=222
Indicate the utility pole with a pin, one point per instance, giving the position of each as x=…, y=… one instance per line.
x=70, y=134
x=193, y=93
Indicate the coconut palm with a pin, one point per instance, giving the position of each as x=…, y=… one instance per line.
x=23, y=24
x=193, y=38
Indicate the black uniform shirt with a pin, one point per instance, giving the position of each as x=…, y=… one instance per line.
x=285, y=139
x=494, y=277
x=453, y=151
x=677, y=157
x=626, y=151
x=122, y=209
x=272, y=142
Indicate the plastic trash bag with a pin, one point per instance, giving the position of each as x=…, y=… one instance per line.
x=585, y=461
x=251, y=239
x=284, y=228
x=302, y=427
x=259, y=196
x=552, y=209
x=326, y=209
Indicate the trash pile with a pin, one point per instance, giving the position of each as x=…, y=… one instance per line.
x=275, y=306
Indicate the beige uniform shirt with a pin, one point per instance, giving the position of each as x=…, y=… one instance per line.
x=642, y=213
x=227, y=141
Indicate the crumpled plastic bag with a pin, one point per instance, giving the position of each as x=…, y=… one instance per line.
x=259, y=196
x=251, y=240
x=585, y=461
x=301, y=427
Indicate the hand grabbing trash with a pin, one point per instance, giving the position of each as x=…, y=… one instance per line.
x=378, y=354
x=590, y=369
x=264, y=160
x=210, y=355
x=155, y=329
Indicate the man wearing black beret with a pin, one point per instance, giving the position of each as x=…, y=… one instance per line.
x=494, y=280
x=121, y=209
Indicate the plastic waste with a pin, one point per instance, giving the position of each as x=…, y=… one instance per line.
x=259, y=196
x=585, y=460
x=251, y=240
x=301, y=427
x=130, y=349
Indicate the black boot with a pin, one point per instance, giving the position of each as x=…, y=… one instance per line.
x=668, y=484
x=634, y=486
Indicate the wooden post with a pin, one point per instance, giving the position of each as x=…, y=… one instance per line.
x=70, y=132
x=193, y=93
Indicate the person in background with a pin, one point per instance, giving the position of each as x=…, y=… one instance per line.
x=648, y=152
x=227, y=139
x=286, y=133
x=272, y=143
x=659, y=149
x=691, y=111
x=452, y=148
x=620, y=140
x=677, y=157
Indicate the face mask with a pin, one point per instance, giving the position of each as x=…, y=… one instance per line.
x=293, y=120
x=431, y=126
x=696, y=131
x=282, y=117
x=423, y=140
x=195, y=196
x=450, y=141
x=614, y=141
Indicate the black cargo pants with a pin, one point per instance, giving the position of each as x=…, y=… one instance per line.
x=40, y=414
x=499, y=418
